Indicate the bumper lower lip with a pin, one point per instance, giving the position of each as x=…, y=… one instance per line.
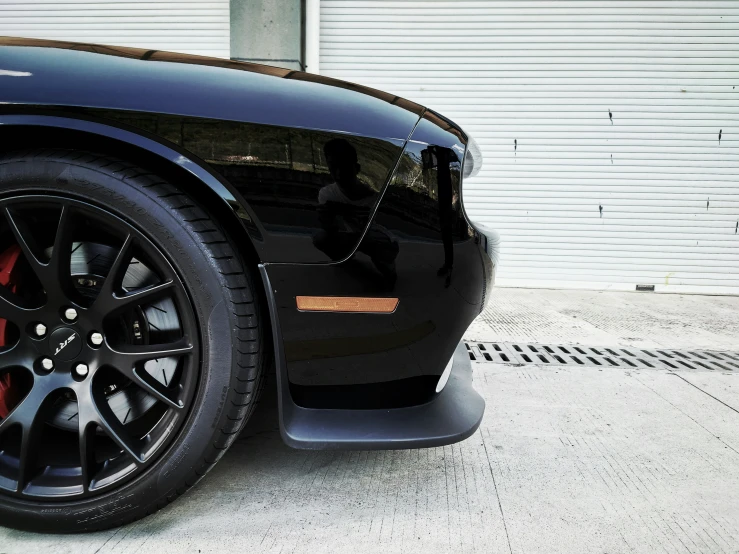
x=452, y=416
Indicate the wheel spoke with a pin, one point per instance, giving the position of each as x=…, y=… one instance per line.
x=25, y=240
x=13, y=357
x=24, y=413
x=112, y=426
x=107, y=299
x=117, y=270
x=30, y=416
x=144, y=295
x=130, y=363
x=10, y=310
x=87, y=452
x=88, y=423
x=31, y=444
x=127, y=358
x=54, y=276
x=60, y=267
x=112, y=303
x=142, y=378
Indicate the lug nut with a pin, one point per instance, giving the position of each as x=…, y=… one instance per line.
x=40, y=330
x=47, y=364
x=96, y=339
x=81, y=370
x=70, y=314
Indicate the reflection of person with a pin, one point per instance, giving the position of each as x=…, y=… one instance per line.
x=344, y=208
x=344, y=205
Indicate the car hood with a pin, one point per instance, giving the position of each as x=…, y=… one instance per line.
x=36, y=72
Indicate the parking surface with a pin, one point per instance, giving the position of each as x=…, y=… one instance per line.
x=567, y=459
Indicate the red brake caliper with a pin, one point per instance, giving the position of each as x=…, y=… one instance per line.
x=8, y=259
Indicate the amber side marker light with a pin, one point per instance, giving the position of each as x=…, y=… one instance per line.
x=346, y=304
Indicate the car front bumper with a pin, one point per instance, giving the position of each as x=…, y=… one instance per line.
x=451, y=416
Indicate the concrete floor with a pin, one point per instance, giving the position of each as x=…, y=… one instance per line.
x=601, y=318
x=567, y=459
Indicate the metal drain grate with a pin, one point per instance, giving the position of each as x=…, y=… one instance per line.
x=590, y=356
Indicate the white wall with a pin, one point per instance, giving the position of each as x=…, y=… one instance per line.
x=190, y=26
x=533, y=82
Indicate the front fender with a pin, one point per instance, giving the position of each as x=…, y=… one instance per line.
x=230, y=198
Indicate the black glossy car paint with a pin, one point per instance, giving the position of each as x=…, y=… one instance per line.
x=55, y=73
x=259, y=136
x=279, y=173
x=419, y=248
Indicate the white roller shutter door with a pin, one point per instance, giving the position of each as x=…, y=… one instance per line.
x=190, y=26
x=599, y=123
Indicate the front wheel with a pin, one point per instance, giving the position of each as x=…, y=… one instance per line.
x=130, y=341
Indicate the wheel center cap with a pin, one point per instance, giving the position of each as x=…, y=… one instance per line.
x=65, y=344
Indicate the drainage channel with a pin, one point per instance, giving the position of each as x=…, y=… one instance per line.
x=524, y=353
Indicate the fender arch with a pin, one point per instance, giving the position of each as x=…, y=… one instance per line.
x=155, y=153
x=170, y=162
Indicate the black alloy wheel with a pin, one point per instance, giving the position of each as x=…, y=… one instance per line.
x=109, y=354
x=80, y=338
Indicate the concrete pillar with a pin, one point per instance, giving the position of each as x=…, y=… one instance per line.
x=268, y=32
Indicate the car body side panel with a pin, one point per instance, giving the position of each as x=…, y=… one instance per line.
x=420, y=249
x=264, y=129
x=277, y=173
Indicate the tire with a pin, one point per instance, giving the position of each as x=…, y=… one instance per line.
x=225, y=305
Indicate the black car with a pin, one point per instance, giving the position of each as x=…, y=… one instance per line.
x=173, y=227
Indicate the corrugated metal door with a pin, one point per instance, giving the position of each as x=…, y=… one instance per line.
x=609, y=129
x=191, y=26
